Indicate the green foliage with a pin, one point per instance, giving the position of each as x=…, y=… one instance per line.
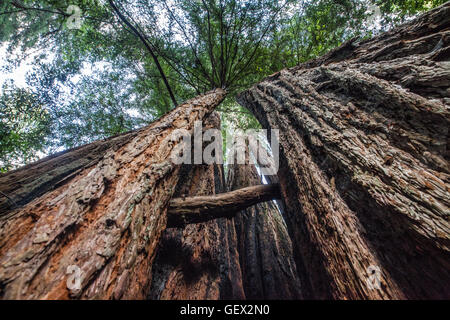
x=236, y=115
x=96, y=114
x=397, y=11
x=100, y=80
x=211, y=43
x=24, y=127
x=314, y=28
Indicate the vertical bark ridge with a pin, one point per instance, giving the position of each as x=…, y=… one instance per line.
x=364, y=162
x=200, y=261
x=106, y=220
x=265, y=249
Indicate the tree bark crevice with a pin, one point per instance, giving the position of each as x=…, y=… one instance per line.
x=201, y=260
x=265, y=249
x=364, y=163
x=104, y=222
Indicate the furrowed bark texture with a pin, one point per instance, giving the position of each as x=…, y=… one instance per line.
x=31, y=181
x=364, y=162
x=200, y=261
x=105, y=216
x=265, y=249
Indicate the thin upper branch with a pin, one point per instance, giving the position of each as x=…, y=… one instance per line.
x=149, y=49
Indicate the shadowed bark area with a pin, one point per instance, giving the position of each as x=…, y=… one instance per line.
x=364, y=162
x=200, y=261
x=265, y=249
x=105, y=217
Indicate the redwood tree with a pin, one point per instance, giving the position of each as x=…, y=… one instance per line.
x=364, y=162
x=101, y=208
x=199, y=261
x=364, y=181
x=265, y=249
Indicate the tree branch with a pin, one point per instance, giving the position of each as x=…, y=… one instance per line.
x=183, y=211
x=193, y=49
x=256, y=47
x=148, y=47
x=19, y=5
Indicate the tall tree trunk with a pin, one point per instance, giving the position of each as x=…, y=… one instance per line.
x=97, y=211
x=364, y=137
x=200, y=261
x=265, y=249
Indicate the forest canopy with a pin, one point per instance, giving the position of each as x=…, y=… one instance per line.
x=101, y=68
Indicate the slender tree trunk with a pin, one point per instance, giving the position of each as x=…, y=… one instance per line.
x=265, y=249
x=200, y=261
x=364, y=137
x=97, y=211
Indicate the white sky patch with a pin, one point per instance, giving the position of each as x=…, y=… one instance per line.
x=133, y=112
x=18, y=75
x=89, y=70
x=374, y=21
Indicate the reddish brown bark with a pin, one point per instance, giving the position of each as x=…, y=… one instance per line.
x=105, y=215
x=200, y=261
x=265, y=249
x=364, y=162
